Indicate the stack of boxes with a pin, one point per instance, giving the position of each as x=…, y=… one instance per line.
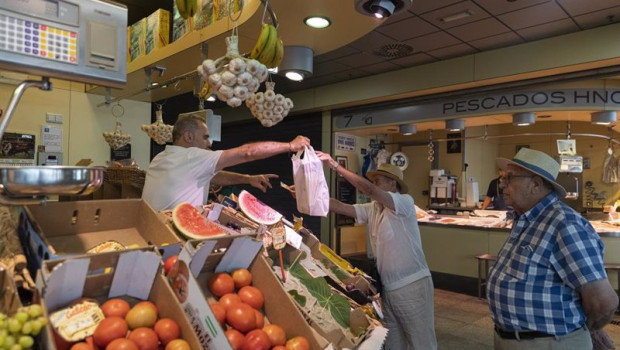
x=148, y=34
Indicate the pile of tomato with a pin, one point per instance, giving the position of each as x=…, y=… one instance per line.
x=239, y=313
x=133, y=328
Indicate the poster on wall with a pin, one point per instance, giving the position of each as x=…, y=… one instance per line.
x=17, y=149
x=346, y=193
x=345, y=142
x=454, y=143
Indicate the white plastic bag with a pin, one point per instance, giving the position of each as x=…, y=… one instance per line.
x=310, y=185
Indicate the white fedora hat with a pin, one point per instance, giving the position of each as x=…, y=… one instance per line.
x=391, y=171
x=538, y=163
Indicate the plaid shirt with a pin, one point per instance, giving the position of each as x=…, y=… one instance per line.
x=550, y=253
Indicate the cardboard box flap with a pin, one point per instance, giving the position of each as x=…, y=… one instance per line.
x=135, y=273
x=240, y=254
x=200, y=256
x=65, y=282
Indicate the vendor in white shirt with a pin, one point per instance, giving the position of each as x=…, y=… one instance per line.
x=184, y=170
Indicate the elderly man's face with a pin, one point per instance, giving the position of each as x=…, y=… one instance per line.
x=517, y=185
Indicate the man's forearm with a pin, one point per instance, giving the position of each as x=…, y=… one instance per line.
x=226, y=178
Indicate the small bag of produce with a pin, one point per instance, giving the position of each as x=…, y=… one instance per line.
x=310, y=185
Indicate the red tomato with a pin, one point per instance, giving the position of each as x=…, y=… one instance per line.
x=228, y=299
x=167, y=330
x=256, y=340
x=279, y=347
x=276, y=334
x=252, y=296
x=220, y=284
x=177, y=344
x=115, y=307
x=242, y=278
x=145, y=338
x=260, y=319
x=143, y=314
x=122, y=344
x=169, y=264
x=235, y=338
x=298, y=343
x=241, y=316
x=219, y=312
x=109, y=329
x=81, y=346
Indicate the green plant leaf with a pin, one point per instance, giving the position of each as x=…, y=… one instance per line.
x=339, y=273
x=299, y=298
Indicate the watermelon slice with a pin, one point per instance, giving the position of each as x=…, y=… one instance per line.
x=188, y=220
x=256, y=210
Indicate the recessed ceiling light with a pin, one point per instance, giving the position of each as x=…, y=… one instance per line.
x=457, y=16
x=294, y=76
x=318, y=22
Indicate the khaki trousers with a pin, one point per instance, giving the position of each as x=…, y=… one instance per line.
x=577, y=340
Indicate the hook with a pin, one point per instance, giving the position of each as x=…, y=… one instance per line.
x=118, y=110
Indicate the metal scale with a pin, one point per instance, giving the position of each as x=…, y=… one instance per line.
x=83, y=41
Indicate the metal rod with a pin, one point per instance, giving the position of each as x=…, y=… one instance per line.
x=510, y=135
x=274, y=19
x=44, y=84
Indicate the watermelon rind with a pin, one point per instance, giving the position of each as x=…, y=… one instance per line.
x=192, y=224
x=256, y=210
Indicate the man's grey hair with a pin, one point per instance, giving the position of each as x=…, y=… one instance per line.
x=185, y=123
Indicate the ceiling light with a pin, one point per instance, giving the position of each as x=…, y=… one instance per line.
x=455, y=124
x=297, y=62
x=407, y=129
x=211, y=98
x=524, y=118
x=604, y=117
x=318, y=22
x=381, y=8
x=457, y=16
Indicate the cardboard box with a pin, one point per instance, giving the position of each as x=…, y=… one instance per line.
x=179, y=25
x=133, y=275
x=228, y=216
x=157, y=30
x=128, y=44
x=138, y=39
x=203, y=258
x=61, y=229
x=9, y=299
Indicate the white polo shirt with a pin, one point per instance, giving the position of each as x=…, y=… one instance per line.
x=395, y=240
x=179, y=174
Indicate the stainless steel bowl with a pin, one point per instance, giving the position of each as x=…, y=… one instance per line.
x=49, y=180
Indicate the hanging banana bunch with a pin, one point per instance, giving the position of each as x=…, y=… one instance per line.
x=187, y=9
x=268, y=107
x=158, y=131
x=269, y=49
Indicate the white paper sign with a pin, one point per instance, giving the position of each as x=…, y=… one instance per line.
x=345, y=142
x=51, y=138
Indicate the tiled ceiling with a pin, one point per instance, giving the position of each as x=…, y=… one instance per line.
x=493, y=24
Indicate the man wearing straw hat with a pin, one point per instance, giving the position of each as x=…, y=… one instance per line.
x=407, y=296
x=548, y=286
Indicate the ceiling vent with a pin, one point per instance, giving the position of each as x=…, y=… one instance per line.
x=394, y=50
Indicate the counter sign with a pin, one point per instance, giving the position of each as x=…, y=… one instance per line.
x=345, y=142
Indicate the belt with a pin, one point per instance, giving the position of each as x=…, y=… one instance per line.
x=520, y=335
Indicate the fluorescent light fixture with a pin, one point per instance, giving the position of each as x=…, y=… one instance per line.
x=407, y=129
x=318, y=22
x=523, y=118
x=457, y=16
x=297, y=62
x=211, y=98
x=604, y=117
x=455, y=124
x=273, y=70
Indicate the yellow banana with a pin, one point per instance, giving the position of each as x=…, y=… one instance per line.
x=336, y=259
x=205, y=91
x=266, y=56
x=260, y=43
x=192, y=7
x=278, y=55
x=182, y=7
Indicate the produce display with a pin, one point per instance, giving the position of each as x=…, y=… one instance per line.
x=116, y=139
x=18, y=331
x=192, y=224
x=269, y=49
x=256, y=210
x=239, y=311
x=187, y=8
x=158, y=131
x=268, y=107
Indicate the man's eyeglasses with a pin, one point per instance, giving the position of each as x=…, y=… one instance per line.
x=508, y=177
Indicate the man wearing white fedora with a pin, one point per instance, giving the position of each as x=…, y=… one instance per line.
x=549, y=285
x=407, y=296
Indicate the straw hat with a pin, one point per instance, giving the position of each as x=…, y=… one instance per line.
x=538, y=163
x=391, y=171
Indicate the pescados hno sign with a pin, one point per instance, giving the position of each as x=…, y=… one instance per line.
x=490, y=104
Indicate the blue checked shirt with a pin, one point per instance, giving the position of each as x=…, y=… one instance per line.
x=550, y=252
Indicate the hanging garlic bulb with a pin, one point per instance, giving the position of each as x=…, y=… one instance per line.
x=116, y=139
x=158, y=131
x=268, y=107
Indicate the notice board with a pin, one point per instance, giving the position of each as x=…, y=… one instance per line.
x=346, y=193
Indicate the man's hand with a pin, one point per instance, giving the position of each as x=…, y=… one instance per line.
x=327, y=159
x=261, y=181
x=299, y=143
x=601, y=340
